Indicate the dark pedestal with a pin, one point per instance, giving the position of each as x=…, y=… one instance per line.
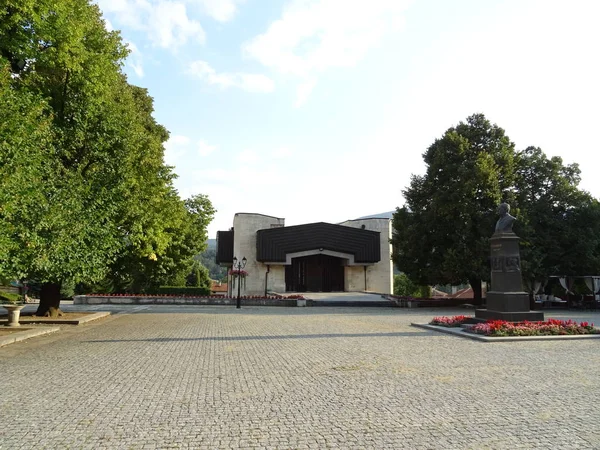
x=484, y=315
x=507, y=301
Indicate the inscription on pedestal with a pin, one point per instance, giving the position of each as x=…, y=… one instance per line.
x=497, y=264
x=512, y=264
x=506, y=264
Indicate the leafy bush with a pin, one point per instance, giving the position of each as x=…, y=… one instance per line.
x=198, y=276
x=403, y=286
x=9, y=297
x=191, y=291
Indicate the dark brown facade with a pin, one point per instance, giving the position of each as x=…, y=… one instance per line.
x=272, y=245
x=225, y=247
x=315, y=273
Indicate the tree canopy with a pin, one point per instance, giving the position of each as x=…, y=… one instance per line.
x=440, y=236
x=558, y=222
x=85, y=194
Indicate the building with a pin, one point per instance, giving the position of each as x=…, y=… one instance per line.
x=218, y=288
x=316, y=257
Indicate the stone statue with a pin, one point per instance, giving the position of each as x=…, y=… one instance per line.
x=505, y=222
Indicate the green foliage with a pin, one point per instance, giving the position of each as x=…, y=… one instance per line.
x=183, y=234
x=208, y=260
x=26, y=161
x=68, y=228
x=9, y=297
x=441, y=234
x=85, y=195
x=558, y=222
x=183, y=290
x=405, y=287
x=198, y=276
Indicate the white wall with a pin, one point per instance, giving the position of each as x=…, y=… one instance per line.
x=245, y=226
x=276, y=281
x=380, y=275
x=354, y=278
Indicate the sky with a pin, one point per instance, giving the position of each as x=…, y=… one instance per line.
x=321, y=110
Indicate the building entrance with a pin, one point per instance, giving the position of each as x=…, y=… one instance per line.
x=315, y=273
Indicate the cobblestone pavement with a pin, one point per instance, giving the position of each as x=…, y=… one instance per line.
x=293, y=378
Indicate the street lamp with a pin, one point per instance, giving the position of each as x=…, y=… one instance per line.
x=239, y=266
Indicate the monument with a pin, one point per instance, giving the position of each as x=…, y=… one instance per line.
x=506, y=300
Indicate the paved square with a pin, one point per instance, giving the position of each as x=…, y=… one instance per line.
x=216, y=377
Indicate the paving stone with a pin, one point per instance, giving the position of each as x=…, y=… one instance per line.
x=259, y=377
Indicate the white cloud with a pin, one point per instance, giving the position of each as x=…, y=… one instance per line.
x=303, y=91
x=314, y=35
x=220, y=10
x=165, y=22
x=204, y=149
x=171, y=25
x=246, y=81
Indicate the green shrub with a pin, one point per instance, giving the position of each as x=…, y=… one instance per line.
x=9, y=297
x=403, y=286
x=184, y=290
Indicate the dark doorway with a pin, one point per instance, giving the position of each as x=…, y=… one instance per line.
x=315, y=273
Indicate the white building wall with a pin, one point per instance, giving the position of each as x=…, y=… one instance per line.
x=379, y=275
x=276, y=281
x=354, y=278
x=245, y=226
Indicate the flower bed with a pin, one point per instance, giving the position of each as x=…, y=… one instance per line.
x=455, y=321
x=551, y=327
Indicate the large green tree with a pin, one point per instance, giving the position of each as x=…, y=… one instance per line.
x=62, y=52
x=184, y=234
x=558, y=222
x=440, y=235
x=26, y=162
x=85, y=180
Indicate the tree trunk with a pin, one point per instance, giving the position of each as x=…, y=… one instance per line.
x=476, y=286
x=49, y=300
x=531, y=301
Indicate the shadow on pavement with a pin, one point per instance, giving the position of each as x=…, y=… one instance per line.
x=267, y=338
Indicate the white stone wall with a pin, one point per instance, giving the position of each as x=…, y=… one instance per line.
x=276, y=281
x=379, y=275
x=245, y=226
x=354, y=278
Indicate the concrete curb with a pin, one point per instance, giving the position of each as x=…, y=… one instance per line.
x=174, y=300
x=88, y=317
x=460, y=332
x=25, y=333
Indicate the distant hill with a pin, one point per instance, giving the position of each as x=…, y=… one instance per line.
x=212, y=244
x=383, y=215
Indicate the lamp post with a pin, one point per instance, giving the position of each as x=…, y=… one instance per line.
x=239, y=266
